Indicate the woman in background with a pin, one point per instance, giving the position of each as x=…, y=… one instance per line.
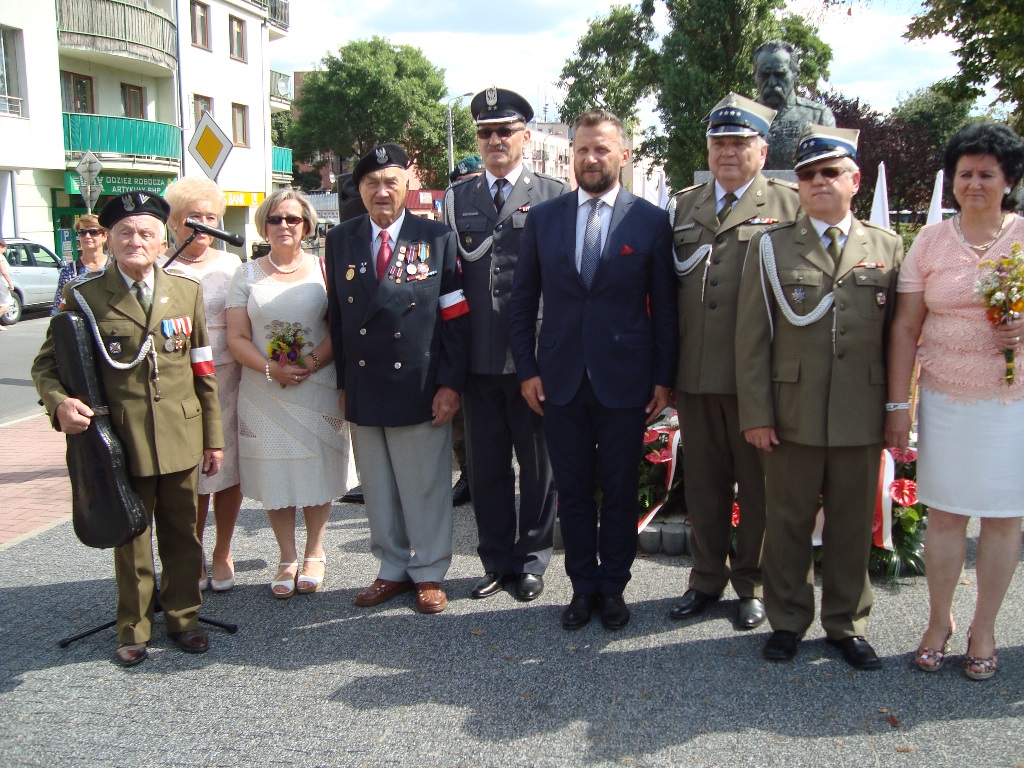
x=92, y=255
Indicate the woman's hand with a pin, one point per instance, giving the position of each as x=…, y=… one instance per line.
x=288, y=374
x=897, y=430
x=1009, y=334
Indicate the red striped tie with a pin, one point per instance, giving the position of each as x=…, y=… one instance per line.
x=383, y=255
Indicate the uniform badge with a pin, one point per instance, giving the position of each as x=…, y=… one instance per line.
x=880, y=298
x=362, y=268
x=382, y=155
x=129, y=202
x=469, y=241
x=798, y=295
x=169, y=345
x=411, y=269
x=463, y=169
x=114, y=348
x=351, y=273
x=491, y=96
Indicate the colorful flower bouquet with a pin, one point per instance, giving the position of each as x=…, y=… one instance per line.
x=900, y=519
x=1002, y=288
x=285, y=342
x=659, y=470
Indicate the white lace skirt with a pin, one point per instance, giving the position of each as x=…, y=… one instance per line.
x=971, y=456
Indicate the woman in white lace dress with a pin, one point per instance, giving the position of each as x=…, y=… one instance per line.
x=202, y=200
x=293, y=440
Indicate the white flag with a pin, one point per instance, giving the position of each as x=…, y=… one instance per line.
x=935, y=209
x=880, y=205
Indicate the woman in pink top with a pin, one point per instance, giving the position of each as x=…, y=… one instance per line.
x=971, y=424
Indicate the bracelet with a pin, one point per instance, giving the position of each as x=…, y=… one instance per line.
x=267, y=372
x=316, y=362
x=897, y=407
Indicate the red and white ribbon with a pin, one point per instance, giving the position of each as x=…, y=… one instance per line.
x=202, y=361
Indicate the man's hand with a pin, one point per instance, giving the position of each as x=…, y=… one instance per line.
x=446, y=403
x=532, y=391
x=762, y=438
x=663, y=398
x=74, y=416
x=212, y=458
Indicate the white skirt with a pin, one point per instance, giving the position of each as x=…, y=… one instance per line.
x=971, y=456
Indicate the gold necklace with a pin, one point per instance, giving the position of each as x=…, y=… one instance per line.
x=985, y=246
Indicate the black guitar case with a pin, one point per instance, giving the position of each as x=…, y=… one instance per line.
x=106, y=510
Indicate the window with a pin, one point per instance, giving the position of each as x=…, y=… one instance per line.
x=201, y=104
x=200, y=25
x=240, y=125
x=76, y=93
x=11, y=102
x=237, y=42
x=132, y=101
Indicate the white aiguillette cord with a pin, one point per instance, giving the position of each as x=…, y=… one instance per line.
x=449, y=213
x=767, y=263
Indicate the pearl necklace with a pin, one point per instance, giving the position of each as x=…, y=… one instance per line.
x=204, y=257
x=282, y=270
x=985, y=246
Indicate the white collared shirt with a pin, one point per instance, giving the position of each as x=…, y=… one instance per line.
x=720, y=194
x=375, y=231
x=511, y=177
x=149, y=280
x=844, y=227
x=583, y=213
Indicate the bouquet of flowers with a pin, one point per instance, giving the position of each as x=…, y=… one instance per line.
x=1002, y=288
x=285, y=342
x=658, y=471
x=900, y=550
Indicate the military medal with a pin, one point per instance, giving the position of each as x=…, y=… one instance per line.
x=880, y=298
x=422, y=269
x=798, y=295
x=114, y=347
x=411, y=269
x=351, y=273
x=169, y=345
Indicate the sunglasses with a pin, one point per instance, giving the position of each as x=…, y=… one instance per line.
x=89, y=232
x=291, y=221
x=829, y=173
x=503, y=133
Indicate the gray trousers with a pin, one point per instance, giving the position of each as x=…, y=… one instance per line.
x=406, y=474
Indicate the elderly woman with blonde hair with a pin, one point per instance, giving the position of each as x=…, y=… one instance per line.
x=203, y=201
x=294, y=442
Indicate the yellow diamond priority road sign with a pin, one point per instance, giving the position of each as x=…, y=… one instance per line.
x=209, y=146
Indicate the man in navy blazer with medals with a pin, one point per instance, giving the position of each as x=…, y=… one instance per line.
x=400, y=329
x=815, y=309
x=489, y=212
x=163, y=407
x=603, y=362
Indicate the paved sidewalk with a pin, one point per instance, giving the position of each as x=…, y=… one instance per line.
x=35, y=492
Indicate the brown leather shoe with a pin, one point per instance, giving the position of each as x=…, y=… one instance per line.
x=191, y=641
x=430, y=597
x=129, y=655
x=381, y=591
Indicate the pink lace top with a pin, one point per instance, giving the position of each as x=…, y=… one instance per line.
x=958, y=353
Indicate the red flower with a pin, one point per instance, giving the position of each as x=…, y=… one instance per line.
x=903, y=492
x=660, y=457
x=735, y=514
x=650, y=436
x=908, y=456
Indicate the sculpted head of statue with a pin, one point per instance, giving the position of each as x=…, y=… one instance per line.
x=775, y=69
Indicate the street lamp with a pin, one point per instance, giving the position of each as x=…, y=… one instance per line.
x=451, y=131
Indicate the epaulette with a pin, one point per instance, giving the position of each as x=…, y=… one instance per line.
x=178, y=272
x=688, y=189
x=779, y=225
x=460, y=182
x=86, y=277
x=549, y=177
x=886, y=230
x=783, y=183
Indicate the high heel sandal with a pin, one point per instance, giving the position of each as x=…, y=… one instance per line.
x=307, y=585
x=932, y=659
x=979, y=668
x=289, y=584
x=223, y=585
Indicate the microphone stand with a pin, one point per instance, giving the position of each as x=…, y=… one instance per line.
x=181, y=248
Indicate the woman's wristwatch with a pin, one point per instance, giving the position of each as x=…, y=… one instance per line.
x=897, y=407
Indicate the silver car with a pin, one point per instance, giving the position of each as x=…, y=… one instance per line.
x=34, y=270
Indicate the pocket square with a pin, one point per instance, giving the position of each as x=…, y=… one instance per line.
x=626, y=251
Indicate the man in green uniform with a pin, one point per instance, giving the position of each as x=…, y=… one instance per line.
x=157, y=373
x=713, y=224
x=815, y=307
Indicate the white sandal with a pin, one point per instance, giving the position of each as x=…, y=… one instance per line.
x=289, y=584
x=307, y=585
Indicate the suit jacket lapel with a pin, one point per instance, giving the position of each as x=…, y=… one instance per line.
x=747, y=206
x=482, y=199
x=521, y=194
x=856, y=250
x=361, y=256
x=385, y=288
x=704, y=211
x=163, y=292
x=810, y=248
x=571, y=203
x=121, y=298
x=623, y=202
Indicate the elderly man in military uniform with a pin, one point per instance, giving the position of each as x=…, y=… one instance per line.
x=776, y=67
x=489, y=212
x=713, y=224
x=157, y=373
x=400, y=333
x=815, y=309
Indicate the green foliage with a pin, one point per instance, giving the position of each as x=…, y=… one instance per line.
x=372, y=91
x=280, y=124
x=307, y=181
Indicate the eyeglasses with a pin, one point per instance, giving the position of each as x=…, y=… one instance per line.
x=89, y=232
x=829, y=173
x=503, y=133
x=291, y=221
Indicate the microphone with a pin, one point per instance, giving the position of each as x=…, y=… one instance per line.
x=220, y=234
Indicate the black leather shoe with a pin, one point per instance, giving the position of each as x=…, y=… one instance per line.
x=577, y=614
x=781, y=646
x=460, y=491
x=857, y=652
x=692, y=603
x=490, y=584
x=191, y=641
x=614, y=611
x=530, y=586
x=355, y=496
x=750, y=614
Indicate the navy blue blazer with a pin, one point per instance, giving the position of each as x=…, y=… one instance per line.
x=396, y=342
x=623, y=331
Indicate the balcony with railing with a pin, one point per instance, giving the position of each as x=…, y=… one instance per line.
x=280, y=92
x=281, y=162
x=118, y=28
x=121, y=140
x=277, y=15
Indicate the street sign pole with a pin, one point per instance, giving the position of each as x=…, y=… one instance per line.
x=88, y=169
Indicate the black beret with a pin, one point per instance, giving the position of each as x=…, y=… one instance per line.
x=498, y=105
x=134, y=203
x=382, y=156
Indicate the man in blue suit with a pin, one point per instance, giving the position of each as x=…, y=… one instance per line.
x=603, y=362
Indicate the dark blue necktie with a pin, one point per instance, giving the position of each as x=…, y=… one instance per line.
x=591, y=256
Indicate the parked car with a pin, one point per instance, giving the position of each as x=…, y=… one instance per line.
x=34, y=270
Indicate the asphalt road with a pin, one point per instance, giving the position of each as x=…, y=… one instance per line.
x=18, y=347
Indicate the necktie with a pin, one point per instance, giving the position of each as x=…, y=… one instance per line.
x=833, y=248
x=144, y=295
x=499, y=195
x=383, y=254
x=730, y=200
x=591, y=255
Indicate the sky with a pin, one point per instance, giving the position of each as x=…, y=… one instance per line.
x=523, y=46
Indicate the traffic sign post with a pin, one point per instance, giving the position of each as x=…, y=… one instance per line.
x=88, y=169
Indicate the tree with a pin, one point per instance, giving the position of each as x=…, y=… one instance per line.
x=371, y=92
x=871, y=145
